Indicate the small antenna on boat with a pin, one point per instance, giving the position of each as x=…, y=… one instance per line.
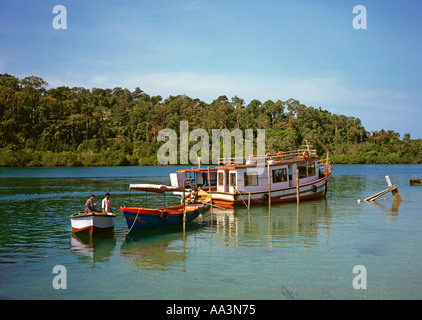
x=307, y=145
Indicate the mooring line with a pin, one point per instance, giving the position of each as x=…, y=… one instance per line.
x=139, y=210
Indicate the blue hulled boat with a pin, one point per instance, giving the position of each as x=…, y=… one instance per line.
x=143, y=218
x=147, y=218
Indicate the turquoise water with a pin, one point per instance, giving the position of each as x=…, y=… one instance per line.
x=283, y=253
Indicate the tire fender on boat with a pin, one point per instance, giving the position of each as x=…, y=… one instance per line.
x=265, y=198
x=164, y=215
x=314, y=188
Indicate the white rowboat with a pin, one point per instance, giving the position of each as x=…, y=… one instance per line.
x=92, y=223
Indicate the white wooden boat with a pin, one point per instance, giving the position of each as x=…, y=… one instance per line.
x=92, y=223
x=284, y=177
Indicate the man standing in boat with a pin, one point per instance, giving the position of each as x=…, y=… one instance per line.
x=89, y=205
x=106, y=204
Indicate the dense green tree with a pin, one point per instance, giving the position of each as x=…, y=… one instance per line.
x=76, y=126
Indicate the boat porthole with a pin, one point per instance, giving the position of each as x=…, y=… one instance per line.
x=264, y=198
x=164, y=215
x=314, y=188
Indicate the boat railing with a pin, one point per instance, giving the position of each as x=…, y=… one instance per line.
x=280, y=156
x=325, y=165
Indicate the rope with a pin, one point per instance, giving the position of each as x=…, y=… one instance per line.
x=213, y=205
x=333, y=182
x=335, y=186
x=139, y=210
x=240, y=194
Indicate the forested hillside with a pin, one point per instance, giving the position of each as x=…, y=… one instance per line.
x=94, y=127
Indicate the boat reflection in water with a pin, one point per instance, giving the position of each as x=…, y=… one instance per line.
x=279, y=226
x=275, y=225
x=159, y=249
x=93, y=249
x=392, y=213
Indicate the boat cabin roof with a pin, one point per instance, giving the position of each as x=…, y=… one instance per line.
x=281, y=158
x=288, y=158
x=156, y=188
x=198, y=169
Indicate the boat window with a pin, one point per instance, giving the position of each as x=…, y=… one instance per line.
x=302, y=167
x=251, y=178
x=279, y=175
x=221, y=178
x=311, y=169
x=233, y=179
x=212, y=181
x=190, y=179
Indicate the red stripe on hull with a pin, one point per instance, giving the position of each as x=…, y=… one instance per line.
x=92, y=231
x=278, y=199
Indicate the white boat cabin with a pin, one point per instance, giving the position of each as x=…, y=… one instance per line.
x=252, y=176
x=275, y=176
x=195, y=177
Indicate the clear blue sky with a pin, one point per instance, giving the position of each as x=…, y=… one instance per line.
x=266, y=49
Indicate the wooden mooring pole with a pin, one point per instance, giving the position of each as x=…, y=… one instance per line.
x=269, y=184
x=184, y=206
x=297, y=186
x=394, y=192
x=249, y=201
x=209, y=190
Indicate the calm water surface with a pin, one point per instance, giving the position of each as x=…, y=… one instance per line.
x=283, y=253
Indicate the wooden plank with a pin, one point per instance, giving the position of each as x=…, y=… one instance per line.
x=391, y=188
x=381, y=193
x=394, y=192
x=377, y=195
x=396, y=195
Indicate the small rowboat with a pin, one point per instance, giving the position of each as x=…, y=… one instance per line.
x=144, y=218
x=92, y=223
